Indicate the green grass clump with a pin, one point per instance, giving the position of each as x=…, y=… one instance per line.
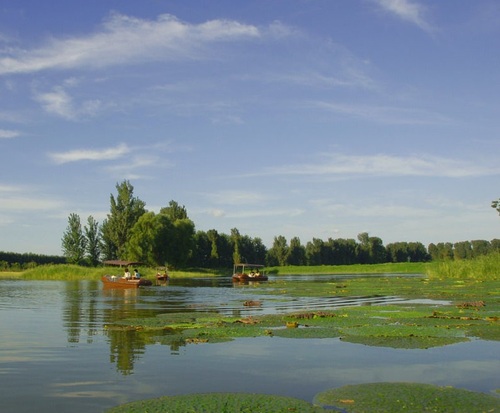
x=362, y=398
x=220, y=403
x=406, y=397
x=485, y=267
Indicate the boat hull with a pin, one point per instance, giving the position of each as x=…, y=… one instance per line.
x=246, y=277
x=111, y=281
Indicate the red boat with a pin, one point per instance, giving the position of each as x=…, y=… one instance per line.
x=249, y=272
x=162, y=276
x=114, y=281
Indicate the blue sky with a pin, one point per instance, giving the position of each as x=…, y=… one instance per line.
x=312, y=118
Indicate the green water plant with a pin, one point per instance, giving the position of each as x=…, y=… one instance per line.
x=405, y=397
x=220, y=403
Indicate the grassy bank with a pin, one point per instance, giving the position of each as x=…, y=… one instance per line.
x=76, y=272
x=482, y=268
x=389, y=267
x=63, y=272
x=10, y=274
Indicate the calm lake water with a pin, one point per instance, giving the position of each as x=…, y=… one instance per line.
x=56, y=355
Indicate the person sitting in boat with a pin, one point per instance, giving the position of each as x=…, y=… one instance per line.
x=163, y=275
x=136, y=274
x=127, y=275
x=252, y=274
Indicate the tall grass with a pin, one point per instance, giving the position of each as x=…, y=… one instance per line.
x=486, y=267
x=389, y=267
x=76, y=272
x=63, y=272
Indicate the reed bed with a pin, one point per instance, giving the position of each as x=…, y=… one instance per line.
x=486, y=267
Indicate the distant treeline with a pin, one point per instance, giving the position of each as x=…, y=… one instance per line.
x=15, y=261
x=366, y=250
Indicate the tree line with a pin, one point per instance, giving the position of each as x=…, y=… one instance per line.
x=14, y=261
x=130, y=232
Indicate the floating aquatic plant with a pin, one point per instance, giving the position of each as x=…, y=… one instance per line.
x=405, y=397
x=219, y=403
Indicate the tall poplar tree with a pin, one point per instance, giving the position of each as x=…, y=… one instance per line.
x=73, y=240
x=93, y=239
x=125, y=211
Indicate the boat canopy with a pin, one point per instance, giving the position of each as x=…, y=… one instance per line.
x=122, y=263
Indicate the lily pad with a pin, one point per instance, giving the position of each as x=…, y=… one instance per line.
x=405, y=397
x=220, y=403
x=306, y=332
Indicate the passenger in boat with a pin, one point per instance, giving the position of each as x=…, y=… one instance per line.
x=136, y=274
x=127, y=275
x=252, y=274
x=160, y=275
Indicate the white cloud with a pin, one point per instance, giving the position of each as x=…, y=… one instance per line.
x=17, y=204
x=264, y=212
x=9, y=188
x=60, y=103
x=236, y=198
x=124, y=40
x=57, y=102
x=8, y=134
x=387, y=165
x=90, y=155
x=408, y=10
x=383, y=114
x=14, y=200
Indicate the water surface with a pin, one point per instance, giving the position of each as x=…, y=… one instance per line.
x=56, y=355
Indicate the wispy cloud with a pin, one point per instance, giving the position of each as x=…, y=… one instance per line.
x=90, y=154
x=127, y=40
x=340, y=165
x=383, y=114
x=255, y=213
x=236, y=197
x=14, y=200
x=8, y=134
x=59, y=102
x=407, y=10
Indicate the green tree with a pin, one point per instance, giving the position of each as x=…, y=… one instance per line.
x=213, y=236
x=496, y=205
x=480, y=247
x=297, y=252
x=314, y=251
x=73, y=240
x=462, y=250
x=495, y=245
x=279, y=251
x=444, y=251
x=433, y=251
x=93, y=241
x=182, y=242
x=151, y=240
x=174, y=211
x=125, y=211
x=235, y=240
x=225, y=250
x=371, y=249
x=417, y=252
x=201, y=251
